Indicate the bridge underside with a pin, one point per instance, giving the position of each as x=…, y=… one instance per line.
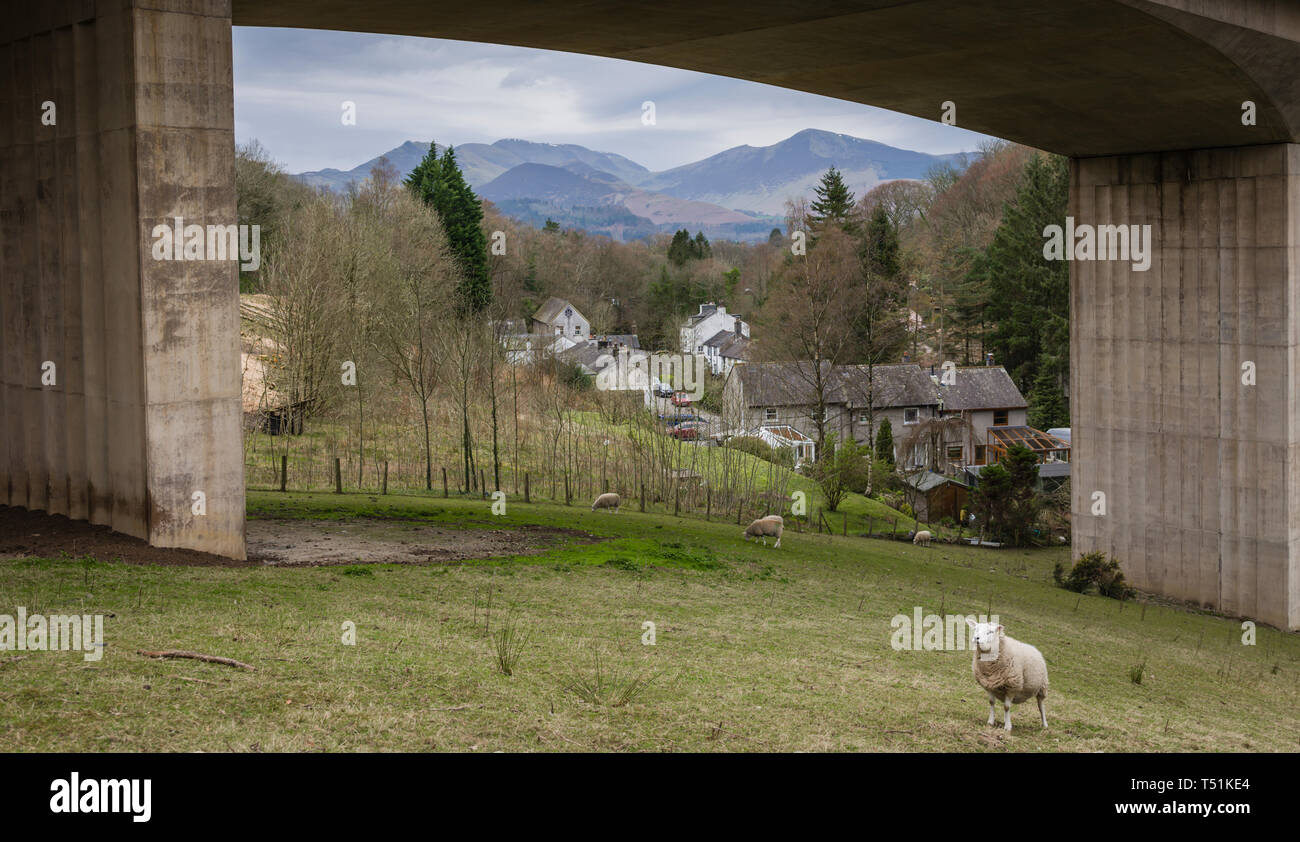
x=1200, y=472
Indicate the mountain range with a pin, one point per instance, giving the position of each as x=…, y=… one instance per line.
x=739, y=193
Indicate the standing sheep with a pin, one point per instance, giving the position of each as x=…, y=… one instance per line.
x=1009, y=670
x=922, y=538
x=609, y=500
x=772, y=525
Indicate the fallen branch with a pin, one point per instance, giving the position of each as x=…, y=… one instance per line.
x=180, y=653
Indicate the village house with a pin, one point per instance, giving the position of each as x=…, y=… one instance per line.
x=710, y=323
x=984, y=397
x=557, y=317
x=726, y=348
x=934, y=425
x=769, y=395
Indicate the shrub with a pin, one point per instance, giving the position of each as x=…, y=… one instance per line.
x=906, y=509
x=753, y=445
x=1094, y=569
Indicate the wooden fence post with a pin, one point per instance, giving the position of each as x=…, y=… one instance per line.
x=643, y=496
x=482, y=482
x=677, y=500
x=871, y=525
x=338, y=475
x=284, y=471
x=385, y=476
x=527, y=488
x=708, y=503
x=444, y=483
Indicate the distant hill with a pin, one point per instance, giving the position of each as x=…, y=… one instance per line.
x=580, y=195
x=482, y=162
x=743, y=189
x=761, y=178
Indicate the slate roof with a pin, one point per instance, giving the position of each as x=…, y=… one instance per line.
x=928, y=480
x=783, y=384
x=736, y=348
x=904, y=384
x=982, y=387
x=549, y=313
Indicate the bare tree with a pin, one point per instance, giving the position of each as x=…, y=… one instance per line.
x=409, y=325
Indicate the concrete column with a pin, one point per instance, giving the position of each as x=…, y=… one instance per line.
x=144, y=410
x=1200, y=470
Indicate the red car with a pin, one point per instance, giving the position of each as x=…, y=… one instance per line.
x=685, y=432
x=681, y=399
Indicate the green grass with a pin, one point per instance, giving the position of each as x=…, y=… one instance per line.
x=755, y=649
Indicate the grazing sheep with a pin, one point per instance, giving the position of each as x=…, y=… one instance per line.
x=1009, y=670
x=772, y=525
x=607, y=501
x=922, y=538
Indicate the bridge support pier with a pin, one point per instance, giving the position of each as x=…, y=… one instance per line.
x=119, y=390
x=1185, y=379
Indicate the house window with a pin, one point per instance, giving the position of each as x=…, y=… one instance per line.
x=577, y=330
x=911, y=415
x=955, y=453
x=979, y=454
x=999, y=418
x=769, y=414
x=863, y=418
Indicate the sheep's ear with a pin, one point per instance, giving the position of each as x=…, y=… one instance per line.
x=998, y=630
x=970, y=621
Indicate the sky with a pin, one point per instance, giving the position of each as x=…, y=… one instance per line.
x=290, y=86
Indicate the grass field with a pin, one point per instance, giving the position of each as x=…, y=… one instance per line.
x=756, y=649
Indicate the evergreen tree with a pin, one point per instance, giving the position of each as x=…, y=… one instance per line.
x=1029, y=296
x=1005, y=497
x=1047, y=404
x=551, y=226
x=834, y=203
x=885, y=443
x=700, y=248
x=439, y=183
x=680, y=249
x=776, y=238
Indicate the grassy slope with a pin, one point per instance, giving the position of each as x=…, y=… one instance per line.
x=757, y=649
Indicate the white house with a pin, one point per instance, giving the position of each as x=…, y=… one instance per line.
x=712, y=320
x=557, y=317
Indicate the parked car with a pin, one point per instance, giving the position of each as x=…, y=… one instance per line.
x=663, y=390
x=681, y=399
x=685, y=432
x=674, y=420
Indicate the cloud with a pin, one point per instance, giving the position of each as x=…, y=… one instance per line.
x=290, y=86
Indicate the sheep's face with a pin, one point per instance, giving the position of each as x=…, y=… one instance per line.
x=985, y=637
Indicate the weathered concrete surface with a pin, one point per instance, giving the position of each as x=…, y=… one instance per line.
x=144, y=411
x=1201, y=472
x=1077, y=77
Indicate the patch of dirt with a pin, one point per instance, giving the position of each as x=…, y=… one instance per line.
x=284, y=542
x=292, y=543
x=28, y=533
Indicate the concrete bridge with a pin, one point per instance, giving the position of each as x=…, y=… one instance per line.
x=1199, y=466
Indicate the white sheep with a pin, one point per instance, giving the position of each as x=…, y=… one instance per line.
x=608, y=500
x=772, y=525
x=1009, y=670
x=923, y=538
